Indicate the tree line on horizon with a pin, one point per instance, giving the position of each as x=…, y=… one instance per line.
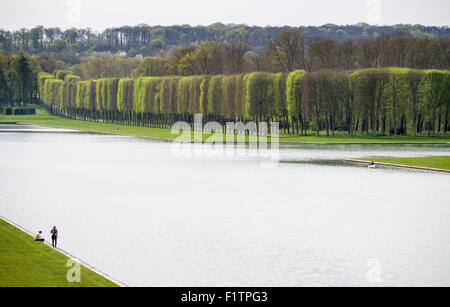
x=396, y=101
x=144, y=39
x=287, y=52
x=66, y=48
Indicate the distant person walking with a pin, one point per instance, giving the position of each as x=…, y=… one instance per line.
x=54, y=233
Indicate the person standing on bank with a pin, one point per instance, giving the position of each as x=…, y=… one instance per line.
x=54, y=233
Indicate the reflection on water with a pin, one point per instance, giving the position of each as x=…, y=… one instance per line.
x=128, y=207
x=19, y=128
x=310, y=152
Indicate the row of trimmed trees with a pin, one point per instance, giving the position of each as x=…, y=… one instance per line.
x=378, y=101
x=373, y=101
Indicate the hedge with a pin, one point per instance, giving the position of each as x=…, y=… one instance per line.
x=376, y=99
x=61, y=74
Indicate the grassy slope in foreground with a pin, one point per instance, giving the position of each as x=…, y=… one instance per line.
x=25, y=263
x=431, y=162
x=44, y=119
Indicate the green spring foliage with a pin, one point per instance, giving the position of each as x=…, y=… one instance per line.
x=148, y=92
x=42, y=77
x=98, y=95
x=51, y=90
x=387, y=98
x=61, y=74
x=214, y=96
x=138, y=91
x=294, y=93
x=260, y=102
x=228, y=89
x=112, y=94
x=203, y=103
x=68, y=95
x=90, y=97
x=435, y=88
x=183, y=96
x=280, y=93
x=188, y=94
x=125, y=95
x=240, y=96
x=71, y=78
x=81, y=94
x=106, y=94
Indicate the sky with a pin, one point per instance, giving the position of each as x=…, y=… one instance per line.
x=102, y=14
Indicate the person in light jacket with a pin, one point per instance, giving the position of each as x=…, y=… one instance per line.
x=39, y=237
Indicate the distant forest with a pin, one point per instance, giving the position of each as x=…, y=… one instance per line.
x=72, y=44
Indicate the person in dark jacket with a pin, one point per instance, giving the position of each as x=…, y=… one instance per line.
x=54, y=233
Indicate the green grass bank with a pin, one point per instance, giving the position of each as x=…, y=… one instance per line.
x=44, y=119
x=25, y=263
x=428, y=162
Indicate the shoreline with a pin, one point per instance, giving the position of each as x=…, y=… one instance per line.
x=68, y=255
x=102, y=132
x=192, y=142
x=399, y=165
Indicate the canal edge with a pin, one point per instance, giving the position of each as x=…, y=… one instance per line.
x=192, y=142
x=399, y=166
x=63, y=252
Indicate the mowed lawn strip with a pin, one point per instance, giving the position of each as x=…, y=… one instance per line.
x=43, y=118
x=60, y=122
x=360, y=139
x=25, y=263
x=430, y=162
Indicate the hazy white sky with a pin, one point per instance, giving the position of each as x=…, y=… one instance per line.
x=100, y=14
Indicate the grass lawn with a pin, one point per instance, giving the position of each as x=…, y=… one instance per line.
x=44, y=119
x=362, y=139
x=25, y=263
x=432, y=162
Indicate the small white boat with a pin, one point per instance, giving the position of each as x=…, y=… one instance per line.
x=372, y=166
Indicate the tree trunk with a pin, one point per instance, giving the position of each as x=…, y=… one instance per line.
x=406, y=126
x=332, y=125
x=439, y=124
x=446, y=119
x=317, y=124
x=434, y=125
x=374, y=126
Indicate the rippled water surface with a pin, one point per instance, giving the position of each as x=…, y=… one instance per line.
x=137, y=211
